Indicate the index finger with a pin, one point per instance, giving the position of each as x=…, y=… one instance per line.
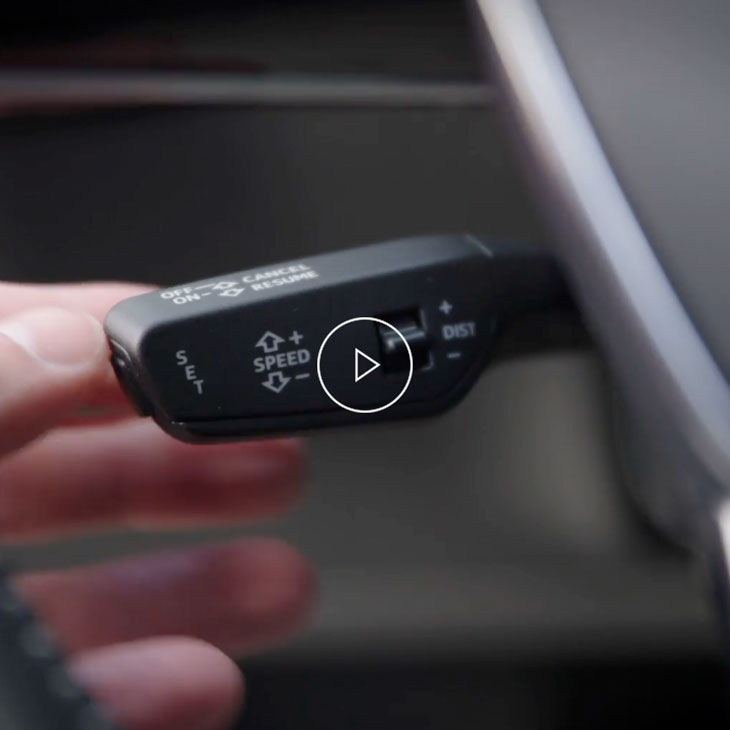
x=96, y=298
x=103, y=399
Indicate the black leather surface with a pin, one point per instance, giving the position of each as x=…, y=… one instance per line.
x=171, y=196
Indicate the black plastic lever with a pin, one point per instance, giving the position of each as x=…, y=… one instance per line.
x=392, y=330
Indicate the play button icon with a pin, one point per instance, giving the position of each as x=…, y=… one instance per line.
x=350, y=365
x=366, y=361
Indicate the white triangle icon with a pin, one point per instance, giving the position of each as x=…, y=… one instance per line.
x=358, y=374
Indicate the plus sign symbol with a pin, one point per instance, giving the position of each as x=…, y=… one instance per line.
x=296, y=338
x=446, y=307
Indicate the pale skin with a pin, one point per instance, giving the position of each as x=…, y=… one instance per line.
x=151, y=637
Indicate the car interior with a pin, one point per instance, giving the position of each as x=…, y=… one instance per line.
x=495, y=566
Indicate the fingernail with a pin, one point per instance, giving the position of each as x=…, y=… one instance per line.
x=57, y=336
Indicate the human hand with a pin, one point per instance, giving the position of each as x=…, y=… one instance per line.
x=148, y=637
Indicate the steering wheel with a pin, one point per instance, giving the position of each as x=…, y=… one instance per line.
x=622, y=111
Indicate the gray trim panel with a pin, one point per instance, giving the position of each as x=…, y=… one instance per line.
x=633, y=307
x=42, y=90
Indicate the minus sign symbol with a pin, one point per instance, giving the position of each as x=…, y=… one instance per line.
x=301, y=376
x=453, y=355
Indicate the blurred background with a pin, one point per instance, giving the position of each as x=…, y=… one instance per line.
x=486, y=568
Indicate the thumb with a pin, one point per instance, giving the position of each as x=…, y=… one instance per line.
x=51, y=359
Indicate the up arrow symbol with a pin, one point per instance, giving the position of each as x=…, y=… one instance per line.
x=269, y=342
x=374, y=364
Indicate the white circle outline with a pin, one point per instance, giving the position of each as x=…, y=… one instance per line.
x=365, y=410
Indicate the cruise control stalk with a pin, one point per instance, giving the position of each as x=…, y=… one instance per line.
x=386, y=331
x=392, y=330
